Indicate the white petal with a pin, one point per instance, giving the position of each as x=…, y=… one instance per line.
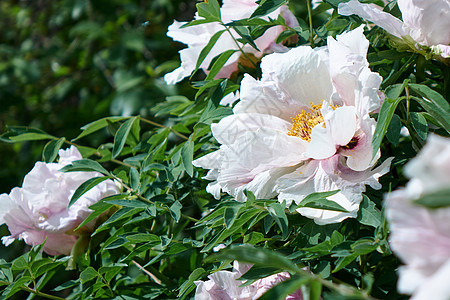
x=265, y=97
x=302, y=72
x=231, y=127
x=321, y=145
x=386, y=21
x=342, y=124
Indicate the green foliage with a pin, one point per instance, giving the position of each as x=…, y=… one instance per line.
x=89, y=74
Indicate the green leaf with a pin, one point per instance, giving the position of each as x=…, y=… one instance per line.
x=143, y=238
x=199, y=21
x=209, y=10
x=19, y=263
x=419, y=124
x=121, y=214
x=230, y=214
x=319, y=200
x=189, y=285
x=257, y=256
x=51, y=149
x=97, y=125
x=266, y=7
x=276, y=210
x=84, y=165
x=205, y=51
x=175, y=210
x=213, y=113
x=285, y=35
x=16, y=134
x=244, y=33
x=219, y=63
x=436, y=199
x=187, y=154
x=134, y=179
x=121, y=136
x=368, y=214
x=86, y=186
x=393, y=132
x=88, y=274
x=237, y=225
x=384, y=119
x=433, y=103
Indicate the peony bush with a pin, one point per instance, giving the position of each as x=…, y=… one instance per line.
x=300, y=151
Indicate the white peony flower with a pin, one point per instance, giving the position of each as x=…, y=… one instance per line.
x=197, y=37
x=420, y=237
x=225, y=285
x=303, y=128
x=426, y=22
x=39, y=209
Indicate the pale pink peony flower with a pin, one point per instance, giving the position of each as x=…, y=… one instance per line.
x=303, y=128
x=420, y=237
x=197, y=37
x=39, y=209
x=426, y=22
x=224, y=285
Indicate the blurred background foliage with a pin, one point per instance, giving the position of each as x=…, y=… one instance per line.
x=67, y=63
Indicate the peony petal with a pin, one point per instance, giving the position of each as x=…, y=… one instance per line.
x=386, y=21
x=321, y=145
x=302, y=73
x=341, y=123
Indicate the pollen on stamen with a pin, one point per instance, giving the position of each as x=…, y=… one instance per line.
x=303, y=123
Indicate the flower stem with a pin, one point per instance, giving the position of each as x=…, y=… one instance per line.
x=239, y=46
x=33, y=291
x=311, y=28
x=163, y=126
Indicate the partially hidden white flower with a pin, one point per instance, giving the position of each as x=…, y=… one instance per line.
x=226, y=285
x=303, y=128
x=420, y=237
x=197, y=37
x=426, y=22
x=39, y=211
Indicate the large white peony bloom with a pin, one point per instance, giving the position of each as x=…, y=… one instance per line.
x=303, y=128
x=39, y=209
x=225, y=285
x=427, y=22
x=197, y=37
x=420, y=237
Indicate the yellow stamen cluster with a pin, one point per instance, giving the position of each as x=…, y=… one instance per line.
x=303, y=123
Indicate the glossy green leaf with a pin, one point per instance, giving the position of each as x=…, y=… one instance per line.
x=51, y=150
x=86, y=186
x=121, y=136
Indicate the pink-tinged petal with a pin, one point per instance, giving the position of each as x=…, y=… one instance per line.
x=321, y=145
x=6, y=205
x=386, y=21
x=436, y=286
x=359, y=150
x=420, y=237
x=39, y=210
x=302, y=73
